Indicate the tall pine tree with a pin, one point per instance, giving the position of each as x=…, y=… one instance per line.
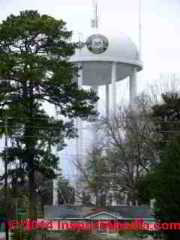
x=35, y=69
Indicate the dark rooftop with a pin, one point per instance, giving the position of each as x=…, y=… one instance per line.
x=76, y=212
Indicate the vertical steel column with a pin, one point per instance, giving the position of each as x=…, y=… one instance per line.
x=95, y=137
x=132, y=87
x=107, y=101
x=140, y=28
x=55, y=193
x=79, y=124
x=79, y=139
x=114, y=78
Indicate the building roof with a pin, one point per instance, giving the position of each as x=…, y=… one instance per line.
x=83, y=212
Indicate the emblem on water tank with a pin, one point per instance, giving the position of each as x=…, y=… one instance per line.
x=97, y=43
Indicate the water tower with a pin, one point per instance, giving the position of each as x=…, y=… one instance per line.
x=105, y=59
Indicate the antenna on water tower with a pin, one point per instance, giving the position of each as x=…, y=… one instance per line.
x=140, y=28
x=95, y=20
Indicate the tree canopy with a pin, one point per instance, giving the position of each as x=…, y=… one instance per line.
x=35, y=69
x=163, y=181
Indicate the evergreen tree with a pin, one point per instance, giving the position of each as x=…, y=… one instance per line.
x=66, y=193
x=35, y=70
x=163, y=182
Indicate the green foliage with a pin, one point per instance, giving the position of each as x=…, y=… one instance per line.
x=21, y=234
x=167, y=118
x=144, y=188
x=126, y=233
x=35, y=68
x=163, y=182
x=165, y=178
x=141, y=234
x=97, y=175
x=78, y=235
x=66, y=193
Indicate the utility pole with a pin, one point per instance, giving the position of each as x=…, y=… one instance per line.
x=6, y=178
x=140, y=28
x=95, y=20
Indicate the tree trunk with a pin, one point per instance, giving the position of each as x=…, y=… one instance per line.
x=30, y=143
x=32, y=195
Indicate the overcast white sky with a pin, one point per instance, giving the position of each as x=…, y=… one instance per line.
x=160, y=21
x=160, y=26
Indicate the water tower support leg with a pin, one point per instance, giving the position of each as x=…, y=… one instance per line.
x=114, y=87
x=55, y=192
x=132, y=87
x=107, y=101
x=95, y=89
x=95, y=136
x=79, y=139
